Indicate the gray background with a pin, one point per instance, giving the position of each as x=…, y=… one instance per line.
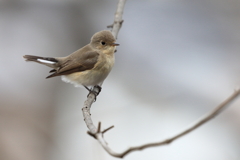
x=177, y=59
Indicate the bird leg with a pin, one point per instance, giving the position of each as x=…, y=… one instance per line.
x=87, y=88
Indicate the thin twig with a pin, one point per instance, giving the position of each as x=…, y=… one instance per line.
x=91, y=97
x=105, y=130
x=86, y=111
x=201, y=121
x=118, y=18
x=98, y=134
x=197, y=124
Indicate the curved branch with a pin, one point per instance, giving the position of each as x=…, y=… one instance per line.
x=197, y=124
x=91, y=97
x=98, y=134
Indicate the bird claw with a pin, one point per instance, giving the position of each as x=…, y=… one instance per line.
x=94, y=92
x=99, y=88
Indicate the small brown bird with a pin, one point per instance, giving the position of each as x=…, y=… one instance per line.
x=88, y=66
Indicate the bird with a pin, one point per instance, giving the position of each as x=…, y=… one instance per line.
x=88, y=67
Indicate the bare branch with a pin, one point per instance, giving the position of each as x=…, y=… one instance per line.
x=197, y=124
x=91, y=97
x=98, y=134
x=86, y=111
x=117, y=24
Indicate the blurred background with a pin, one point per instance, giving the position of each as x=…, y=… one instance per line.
x=177, y=60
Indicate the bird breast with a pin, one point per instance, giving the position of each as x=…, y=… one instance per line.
x=93, y=76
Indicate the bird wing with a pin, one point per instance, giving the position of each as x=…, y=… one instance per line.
x=85, y=61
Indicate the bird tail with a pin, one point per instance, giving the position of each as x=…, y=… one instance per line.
x=48, y=61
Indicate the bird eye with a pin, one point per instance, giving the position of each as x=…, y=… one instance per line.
x=103, y=43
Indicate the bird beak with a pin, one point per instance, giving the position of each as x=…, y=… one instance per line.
x=115, y=44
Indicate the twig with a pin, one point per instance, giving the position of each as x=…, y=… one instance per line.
x=117, y=24
x=98, y=134
x=91, y=97
x=197, y=124
x=201, y=121
x=86, y=111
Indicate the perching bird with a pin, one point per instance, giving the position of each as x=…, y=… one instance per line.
x=88, y=66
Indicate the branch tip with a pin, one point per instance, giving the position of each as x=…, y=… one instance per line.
x=110, y=26
x=99, y=127
x=105, y=130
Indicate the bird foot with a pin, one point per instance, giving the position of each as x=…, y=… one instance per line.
x=93, y=91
